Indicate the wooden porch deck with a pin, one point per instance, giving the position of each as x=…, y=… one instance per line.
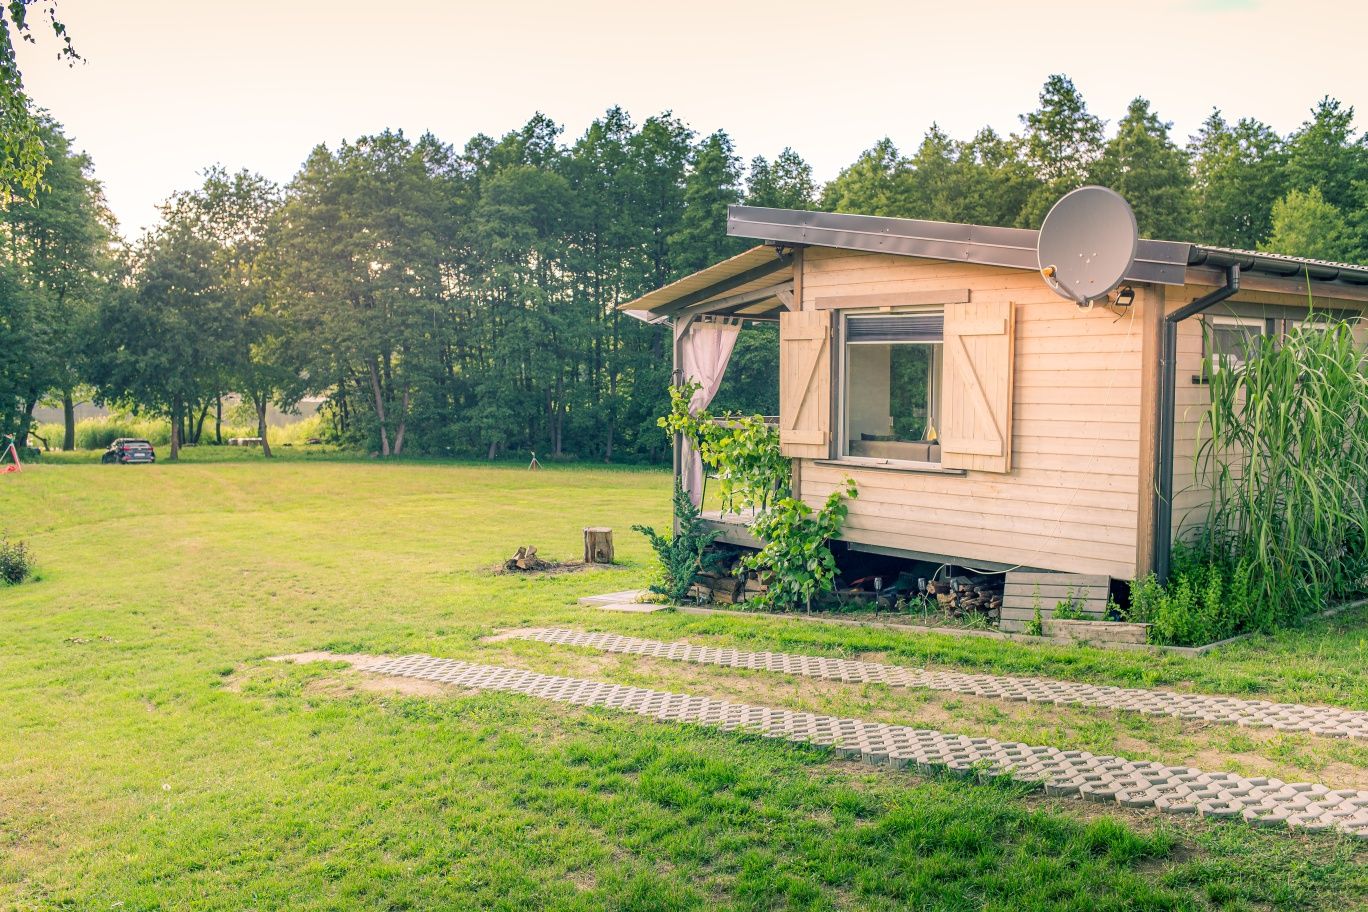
x=733, y=526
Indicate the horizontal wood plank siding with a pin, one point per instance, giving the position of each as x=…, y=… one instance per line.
x=1070, y=501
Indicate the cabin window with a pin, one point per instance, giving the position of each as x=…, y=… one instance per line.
x=1230, y=339
x=892, y=387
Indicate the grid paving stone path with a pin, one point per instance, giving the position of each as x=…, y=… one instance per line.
x=1327, y=721
x=1139, y=784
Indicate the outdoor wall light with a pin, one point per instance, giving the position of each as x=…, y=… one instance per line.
x=1125, y=297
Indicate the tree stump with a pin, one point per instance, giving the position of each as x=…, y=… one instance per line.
x=598, y=545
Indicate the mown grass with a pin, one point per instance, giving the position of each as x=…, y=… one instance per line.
x=150, y=758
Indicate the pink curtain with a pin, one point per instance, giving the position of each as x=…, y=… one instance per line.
x=704, y=352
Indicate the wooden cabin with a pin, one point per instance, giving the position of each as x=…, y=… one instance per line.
x=988, y=422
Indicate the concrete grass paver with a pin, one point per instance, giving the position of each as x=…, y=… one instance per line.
x=1140, y=784
x=1326, y=721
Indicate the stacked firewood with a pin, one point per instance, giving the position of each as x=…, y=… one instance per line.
x=727, y=586
x=719, y=588
x=965, y=595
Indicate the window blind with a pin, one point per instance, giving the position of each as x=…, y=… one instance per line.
x=896, y=328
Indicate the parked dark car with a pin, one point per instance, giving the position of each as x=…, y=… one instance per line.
x=128, y=450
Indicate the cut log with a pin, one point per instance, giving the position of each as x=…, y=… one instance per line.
x=526, y=559
x=598, y=545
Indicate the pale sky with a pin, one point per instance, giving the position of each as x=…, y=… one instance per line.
x=172, y=86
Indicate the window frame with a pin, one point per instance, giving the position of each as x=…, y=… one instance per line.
x=1265, y=325
x=841, y=393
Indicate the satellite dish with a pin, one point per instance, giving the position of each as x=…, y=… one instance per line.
x=1087, y=244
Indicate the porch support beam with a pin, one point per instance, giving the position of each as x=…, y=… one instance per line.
x=720, y=288
x=741, y=299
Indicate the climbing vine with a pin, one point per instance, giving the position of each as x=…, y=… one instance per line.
x=742, y=449
x=795, y=562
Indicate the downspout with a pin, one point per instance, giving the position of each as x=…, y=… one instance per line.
x=1163, y=493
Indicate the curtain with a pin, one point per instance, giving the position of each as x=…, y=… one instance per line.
x=704, y=351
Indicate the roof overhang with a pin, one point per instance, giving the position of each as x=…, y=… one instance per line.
x=1163, y=262
x=755, y=285
x=1158, y=262
x=758, y=283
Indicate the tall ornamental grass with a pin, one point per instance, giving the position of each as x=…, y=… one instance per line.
x=1284, y=454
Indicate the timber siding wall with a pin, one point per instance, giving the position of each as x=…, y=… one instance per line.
x=1070, y=501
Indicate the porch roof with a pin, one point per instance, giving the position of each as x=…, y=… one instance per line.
x=756, y=284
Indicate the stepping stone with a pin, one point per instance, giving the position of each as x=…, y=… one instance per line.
x=1175, y=790
x=613, y=598
x=1326, y=721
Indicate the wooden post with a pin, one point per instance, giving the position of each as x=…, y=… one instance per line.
x=598, y=545
x=1152, y=310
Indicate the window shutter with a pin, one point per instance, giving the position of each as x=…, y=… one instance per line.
x=976, y=405
x=805, y=383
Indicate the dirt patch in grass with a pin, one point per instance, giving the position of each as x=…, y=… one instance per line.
x=350, y=682
x=303, y=658
x=363, y=682
x=551, y=569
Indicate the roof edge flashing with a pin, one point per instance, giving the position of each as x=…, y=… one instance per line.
x=1163, y=262
x=1159, y=262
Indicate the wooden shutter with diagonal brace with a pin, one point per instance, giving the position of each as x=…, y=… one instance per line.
x=976, y=404
x=805, y=383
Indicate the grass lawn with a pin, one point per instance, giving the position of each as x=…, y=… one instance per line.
x=151, y=758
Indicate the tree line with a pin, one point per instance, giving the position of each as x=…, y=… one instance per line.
x=463, y=301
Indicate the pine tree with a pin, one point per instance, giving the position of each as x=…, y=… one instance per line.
x=1062, y=143
x=1142, y=163
x=1238, y=175
x=1324, y=153
x=786, y=183
x=713, y=183
x=870, y=185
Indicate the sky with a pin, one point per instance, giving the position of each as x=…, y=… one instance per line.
x=169, y=87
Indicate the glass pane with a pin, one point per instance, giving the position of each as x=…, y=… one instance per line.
x=1232, y=342
x=892, y=400
x=911, y=390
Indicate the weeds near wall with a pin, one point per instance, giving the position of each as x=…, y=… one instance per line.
x=796, y=562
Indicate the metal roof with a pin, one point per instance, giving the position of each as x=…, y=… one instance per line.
x=1278, y=264
x=1162, y=262
x=751, y=284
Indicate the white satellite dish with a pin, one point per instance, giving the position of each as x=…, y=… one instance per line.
x=1087, y=244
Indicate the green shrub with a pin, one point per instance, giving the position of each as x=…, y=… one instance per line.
x=684, y=554
x=1280, y=462
x=795, y=561
x=16, y=562
x=744, y=451
x=99, y=433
